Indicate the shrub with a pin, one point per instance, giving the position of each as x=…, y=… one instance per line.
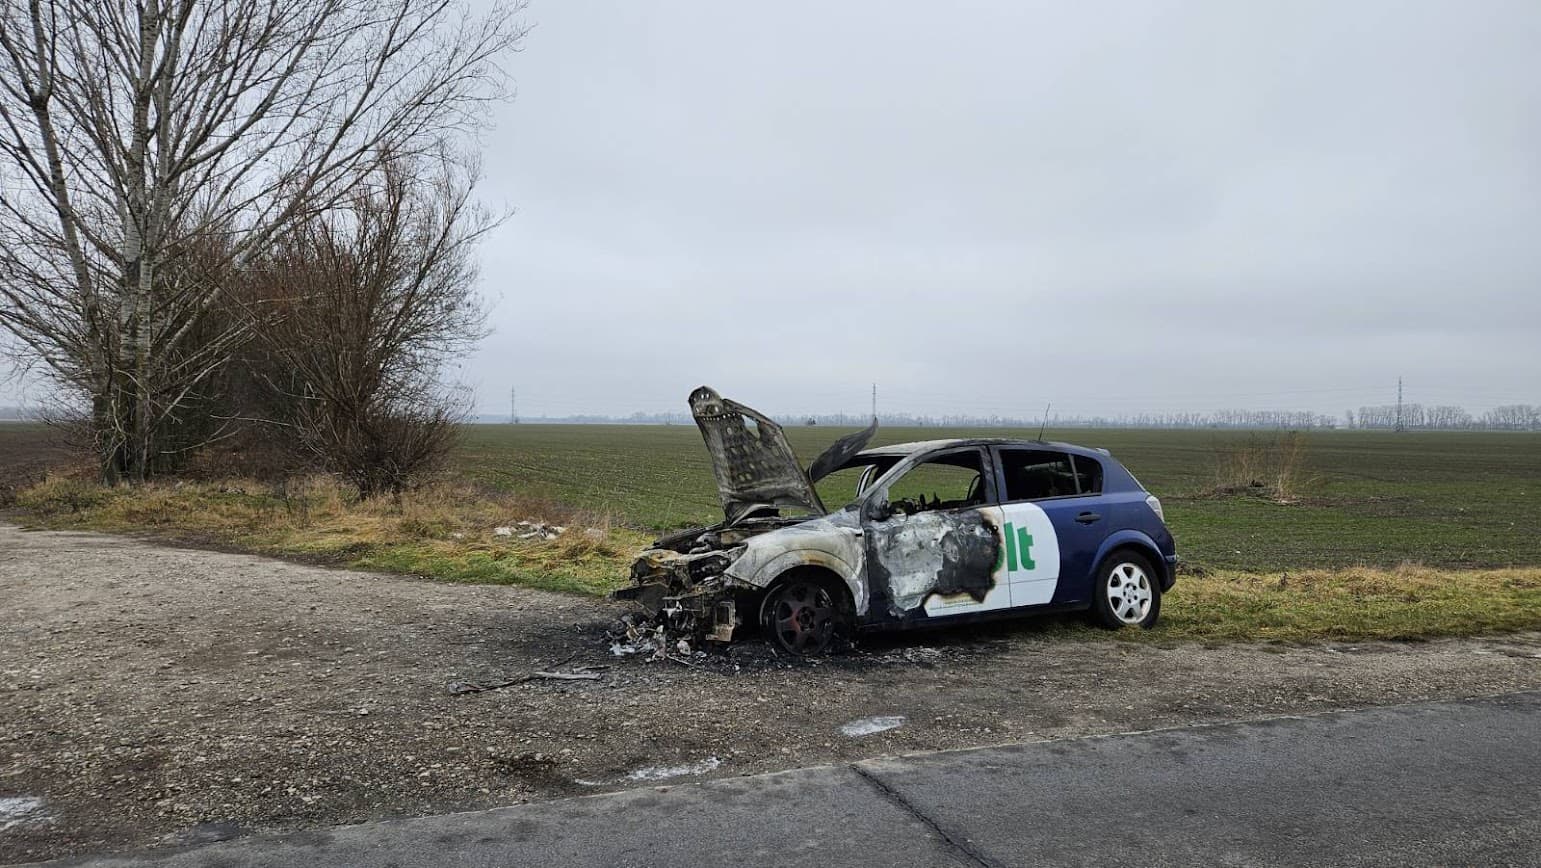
x=1264, y=465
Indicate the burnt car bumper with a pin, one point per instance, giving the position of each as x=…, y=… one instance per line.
x=687, y=592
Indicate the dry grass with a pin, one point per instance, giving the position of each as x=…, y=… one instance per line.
x=1408, y=602
x=442, y=531
x=1263, y=464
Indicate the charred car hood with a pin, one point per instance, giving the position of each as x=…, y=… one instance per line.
x=753, y=462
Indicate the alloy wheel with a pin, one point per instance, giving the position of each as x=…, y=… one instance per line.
x=803, y=618
x=1129, y=593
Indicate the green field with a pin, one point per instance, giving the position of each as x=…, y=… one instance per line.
x=1380, y=499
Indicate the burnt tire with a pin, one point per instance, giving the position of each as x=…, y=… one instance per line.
x=802, y=616
x=1127, y=592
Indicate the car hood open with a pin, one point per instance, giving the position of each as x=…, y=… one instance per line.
x=753, y=462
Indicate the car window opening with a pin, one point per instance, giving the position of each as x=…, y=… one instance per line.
x=1037, y=474
x=951, y=481
x=1088, y=474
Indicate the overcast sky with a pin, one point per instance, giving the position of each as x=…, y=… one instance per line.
x=986, y=206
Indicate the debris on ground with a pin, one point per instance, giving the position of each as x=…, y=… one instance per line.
x=567, y=676
x=659, y=773
x=923, y=655
x=19, y=811
x=652, y=638
x=872, y=725
x=530, y=530
x=582, y=673
x=637, y=636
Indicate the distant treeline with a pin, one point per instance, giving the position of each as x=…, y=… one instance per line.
x=1448, y=417
x=1512, y=417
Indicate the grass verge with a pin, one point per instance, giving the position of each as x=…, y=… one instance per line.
x=1354, y=603
x=444, y=531
x=447, y=532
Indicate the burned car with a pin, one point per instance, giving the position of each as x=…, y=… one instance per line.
x=939, y=531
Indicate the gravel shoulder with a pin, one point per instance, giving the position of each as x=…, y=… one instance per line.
x=152, y=695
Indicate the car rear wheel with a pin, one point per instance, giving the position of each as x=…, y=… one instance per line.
x=801, y=617
x=1128, y=594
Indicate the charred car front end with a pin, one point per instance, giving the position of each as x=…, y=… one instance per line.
x=683, y=580
x=703, y=581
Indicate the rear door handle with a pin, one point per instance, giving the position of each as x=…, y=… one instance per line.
x=1088, y=517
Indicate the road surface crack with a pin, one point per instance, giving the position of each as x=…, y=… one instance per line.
x=969, y=852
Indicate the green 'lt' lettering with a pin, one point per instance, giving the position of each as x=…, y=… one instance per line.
x=1025, y=544
x=1019, y=548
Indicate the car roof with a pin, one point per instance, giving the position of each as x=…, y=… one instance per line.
x=902, y=450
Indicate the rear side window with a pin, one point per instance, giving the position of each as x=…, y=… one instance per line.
x=1088, y=474
x=1034, y=474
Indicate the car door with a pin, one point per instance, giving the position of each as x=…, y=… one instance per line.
x=936, y=558
x=1053, y=523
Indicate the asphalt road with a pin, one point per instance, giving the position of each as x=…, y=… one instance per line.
x=1433, y=783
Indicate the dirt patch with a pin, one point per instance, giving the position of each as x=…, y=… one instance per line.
x=152, y=695
x=27, y=451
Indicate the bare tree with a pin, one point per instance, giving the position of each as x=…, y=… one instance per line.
x=360, y=308
x=1514, y=417
x=152, y=148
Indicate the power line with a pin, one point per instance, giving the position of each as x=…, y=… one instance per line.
x=1400, y=426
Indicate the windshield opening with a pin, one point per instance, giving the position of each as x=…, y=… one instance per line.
x=843, y=486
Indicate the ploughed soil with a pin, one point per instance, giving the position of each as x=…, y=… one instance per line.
x=154, y=696
x=27, y=451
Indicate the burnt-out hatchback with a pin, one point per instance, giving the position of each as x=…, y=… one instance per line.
x=939, y=532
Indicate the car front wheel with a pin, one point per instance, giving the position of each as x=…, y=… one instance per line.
x=1127, y=593
x=801, y=617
